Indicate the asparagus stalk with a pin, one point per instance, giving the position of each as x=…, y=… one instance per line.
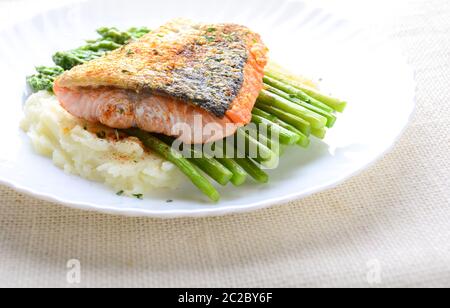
x=214, y=169
x=334, y=103
x=247, y=164
x=253, y=170
x=295, y=92
x=239, y=174
x=264, y=139
x=331, y=118
x=264, y=114
x=319, y=133
x=271, y=164
x=273, y=145
x=303, y=139
x=177, y=159
x=270, y=99
x=206, y=163
x=262, y=152
x=286, y=136
x=299, y=123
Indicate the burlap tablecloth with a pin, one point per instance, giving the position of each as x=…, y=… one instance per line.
x=388, y=227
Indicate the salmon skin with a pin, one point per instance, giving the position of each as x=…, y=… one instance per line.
x=216, y=70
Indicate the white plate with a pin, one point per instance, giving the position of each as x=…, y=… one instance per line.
x=365, y=70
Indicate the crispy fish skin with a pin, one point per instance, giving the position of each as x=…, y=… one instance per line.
x=205, y=65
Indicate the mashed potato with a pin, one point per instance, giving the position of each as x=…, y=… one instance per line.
x=93, y=151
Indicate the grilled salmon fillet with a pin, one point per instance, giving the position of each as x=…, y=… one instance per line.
x=198, y=82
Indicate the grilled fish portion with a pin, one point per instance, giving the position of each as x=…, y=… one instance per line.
x=181, y=69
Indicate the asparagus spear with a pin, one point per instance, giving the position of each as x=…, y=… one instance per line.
x=304, y=141
x=205, y=162
x=273, y=145
x=177, y=159
x=319, y=133
x=270, y=99
x=291, y=90
x=214, y=169
x=239, y=174
x=334, y=103
x=286, y=136
x=250, y=167
x=331, y=118
x=253, y=170
x=263, y=138
x=271, y=164
x=299, y=123
x=303, y=138
x=264, y=114
x=262, y=152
